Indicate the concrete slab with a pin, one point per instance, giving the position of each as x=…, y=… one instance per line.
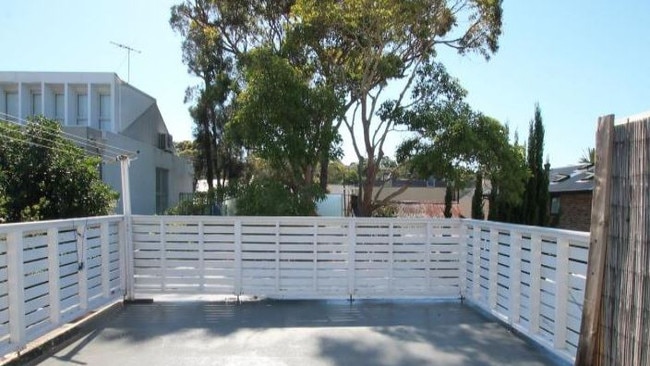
x=315, y=333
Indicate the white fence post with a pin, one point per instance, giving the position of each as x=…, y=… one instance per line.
x=53, y=272
x=128, y=269
x=493, y=268
x=462, y=250
x=351, y=257
x=16, y=288
x=476, y=255
x=391, y=258
x=105, y=253
x=277, y=256
x=130, y=259
x=315, y=260
x=535, y=281
x=238, y=259
x=83, y=266
x=427, y=244
x=562, y=293
x=163, y=255
x=122, y=247
x=201, y=243
x=515, y=277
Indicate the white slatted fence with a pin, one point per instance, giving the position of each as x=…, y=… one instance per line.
x=531, y=277
x=297, y=257
x=52, y=272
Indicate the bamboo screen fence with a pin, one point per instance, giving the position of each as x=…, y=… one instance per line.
x=621, y=328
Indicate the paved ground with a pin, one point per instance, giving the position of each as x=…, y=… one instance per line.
x=274, y=333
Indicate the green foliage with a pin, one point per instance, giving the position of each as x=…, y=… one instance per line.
x=454, y=142
x=363, y=46
x=532, y=209
x=44, y=176
x=350, y=50
x=507, y=188
x=588, y=157
x=198, y=205
x=285, y=120
x=280, y=115
x=544, y=198
x=385, y=211
x=449, y=196
x=536, y=197
x=493, y=209
x=342, y=174
x=207, y=58
x=477, y=199
x=189, y=208
x=186, y=149
x=269, y=197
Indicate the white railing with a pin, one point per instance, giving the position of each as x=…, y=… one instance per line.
x=297, y=257
x=531, y=277
x=52, y=272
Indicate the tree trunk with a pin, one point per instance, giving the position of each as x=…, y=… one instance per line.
x=324, y=178
x=207, y=147
x=368, y=186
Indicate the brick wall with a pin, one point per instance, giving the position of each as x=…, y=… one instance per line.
x=575, y=211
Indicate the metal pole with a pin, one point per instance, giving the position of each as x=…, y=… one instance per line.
x=128, y=58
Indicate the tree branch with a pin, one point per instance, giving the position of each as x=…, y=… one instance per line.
x=388, y=198
x=350, y=126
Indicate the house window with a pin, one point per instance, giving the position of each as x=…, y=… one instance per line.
x=11, y=105
x=104, y=111
x=162, y=190
x=162, y=141
x=82, y=109
x=37, y=104
x=59, y=107
x=555, y=205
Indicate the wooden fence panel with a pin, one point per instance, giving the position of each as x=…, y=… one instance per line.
x=618, y=315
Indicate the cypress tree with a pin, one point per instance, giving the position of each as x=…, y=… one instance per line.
x=534, y=210
x=544, y=198
x=448, y=198
x=477, y=199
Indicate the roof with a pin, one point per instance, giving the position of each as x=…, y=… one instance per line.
x=574, y=178
x=425, y=209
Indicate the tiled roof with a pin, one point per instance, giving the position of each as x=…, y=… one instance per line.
x=425, y=209
x=573, y=178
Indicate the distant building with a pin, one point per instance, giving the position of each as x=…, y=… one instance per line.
x=101, y=107
x=571, y=189
x=418, y=200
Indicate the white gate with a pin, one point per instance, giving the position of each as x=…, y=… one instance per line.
x=297, y=257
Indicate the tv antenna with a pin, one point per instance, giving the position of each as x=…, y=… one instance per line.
x=128, y=56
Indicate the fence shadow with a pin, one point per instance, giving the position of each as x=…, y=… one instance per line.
x=299, y=332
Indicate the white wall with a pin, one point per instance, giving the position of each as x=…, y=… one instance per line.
x=135, y=124
x=142, y=174
x=132, y=104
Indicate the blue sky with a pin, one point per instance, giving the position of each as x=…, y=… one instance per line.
x=578, y=59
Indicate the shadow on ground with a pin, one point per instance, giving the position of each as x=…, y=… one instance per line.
x=299, y=333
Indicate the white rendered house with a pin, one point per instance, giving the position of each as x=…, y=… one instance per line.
x=101, y=107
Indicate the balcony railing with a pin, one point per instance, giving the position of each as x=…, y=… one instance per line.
x=531, y=278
